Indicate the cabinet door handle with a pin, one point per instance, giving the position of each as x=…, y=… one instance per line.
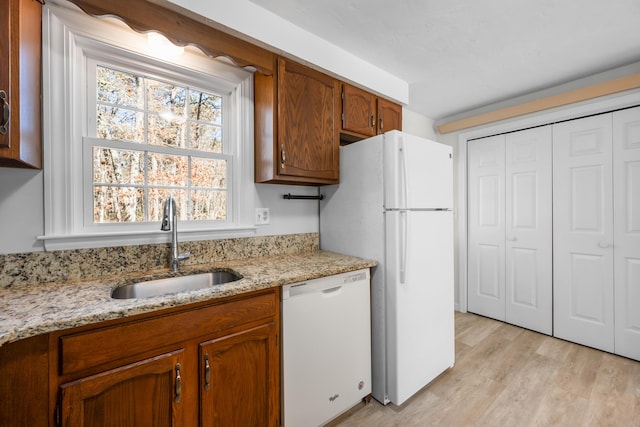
x=178, y=384
x=6, y=113
x=207, y=372
x=373, y=121
x=283, y=157
x=603, y=244
x=380, y=122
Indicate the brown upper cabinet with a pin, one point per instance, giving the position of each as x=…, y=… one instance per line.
x=20, y=59
x=358, y=111
x=362, y=114
x=296, y=140
x=389, y=116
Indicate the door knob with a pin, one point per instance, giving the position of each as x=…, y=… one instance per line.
x=603, y=244
x=512, y=238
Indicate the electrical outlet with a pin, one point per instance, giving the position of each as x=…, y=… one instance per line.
x=262, y=216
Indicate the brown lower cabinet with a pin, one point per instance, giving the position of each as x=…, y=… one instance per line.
x=140, y=394
x=209, y=364
x=24, y=383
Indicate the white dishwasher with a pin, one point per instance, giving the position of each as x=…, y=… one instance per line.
x=326, y=347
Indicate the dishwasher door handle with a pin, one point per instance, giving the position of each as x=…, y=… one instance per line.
x=331, y=292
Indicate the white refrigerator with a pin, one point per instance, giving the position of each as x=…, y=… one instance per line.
x=394, y=205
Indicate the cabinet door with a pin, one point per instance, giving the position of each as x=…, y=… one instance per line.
x=486, y=262
x=239, y=379
x=626, y=202
x=528, y=246
x=308, y=140
x=583, y=232
x=147, y=393
x=358, y=111
x=24, y=369
x=20, y=59
x=389, y=116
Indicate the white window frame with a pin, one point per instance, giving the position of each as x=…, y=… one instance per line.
x=71, y=41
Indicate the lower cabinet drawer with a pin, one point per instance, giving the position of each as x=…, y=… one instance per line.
x=85, y=350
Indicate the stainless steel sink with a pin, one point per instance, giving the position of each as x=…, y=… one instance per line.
x=172, y=285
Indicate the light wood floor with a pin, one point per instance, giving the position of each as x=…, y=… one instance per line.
x=509, y=376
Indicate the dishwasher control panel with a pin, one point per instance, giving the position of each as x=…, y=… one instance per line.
x=324, y=282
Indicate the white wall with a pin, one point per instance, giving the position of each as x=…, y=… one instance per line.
x=21, y=210
x=418, y=125
x=287, y=216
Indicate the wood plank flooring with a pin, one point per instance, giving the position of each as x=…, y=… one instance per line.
x=508, y=376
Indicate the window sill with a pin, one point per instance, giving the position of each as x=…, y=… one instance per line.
x=100, y=240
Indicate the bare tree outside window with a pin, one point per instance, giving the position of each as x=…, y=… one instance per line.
x=178, y=130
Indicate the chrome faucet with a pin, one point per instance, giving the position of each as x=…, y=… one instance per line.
x=170, y=223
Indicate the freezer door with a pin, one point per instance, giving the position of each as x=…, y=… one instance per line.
x=418, y=173
x=419, y=300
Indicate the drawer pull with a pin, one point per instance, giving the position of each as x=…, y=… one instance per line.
x=178, y=384
x=207, y=372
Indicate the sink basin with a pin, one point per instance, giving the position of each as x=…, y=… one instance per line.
x=172, y=285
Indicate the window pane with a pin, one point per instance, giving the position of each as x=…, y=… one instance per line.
x=208, y=205
x=120, y=88
x=206, y=137
x=209, y=173
x=156, y=202
x=118, y=204
x=131, y=185
x=164, y=169
x=170, y=133
x=120, y=124
x=166, y=98
x=205, y=107
x=117, y=166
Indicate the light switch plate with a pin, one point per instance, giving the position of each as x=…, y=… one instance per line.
x=262, y=216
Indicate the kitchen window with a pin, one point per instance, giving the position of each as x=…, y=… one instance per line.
x=125, y=126
x=151, y=138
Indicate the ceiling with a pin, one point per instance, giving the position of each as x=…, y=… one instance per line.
x=458, y=55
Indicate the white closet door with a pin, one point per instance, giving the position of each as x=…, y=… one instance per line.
x=583, y=232
x=626, y=193
x=528, y=256
x=486, y=273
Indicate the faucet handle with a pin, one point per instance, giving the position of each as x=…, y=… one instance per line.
x=184, y=255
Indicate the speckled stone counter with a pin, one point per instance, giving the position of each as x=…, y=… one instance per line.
x=27, y=311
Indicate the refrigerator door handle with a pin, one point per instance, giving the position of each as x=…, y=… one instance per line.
x=402, y=170
x=403, y=246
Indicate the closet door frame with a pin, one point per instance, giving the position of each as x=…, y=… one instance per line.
x=606, y=104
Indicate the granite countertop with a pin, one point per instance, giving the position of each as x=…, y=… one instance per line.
x=33, y=310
